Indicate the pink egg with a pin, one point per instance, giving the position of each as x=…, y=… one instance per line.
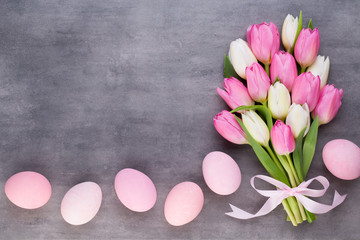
x=342, y=158
x=221, y=173
x=183, y=203
x=81, y=203
x=135, y=190
x=28, y=190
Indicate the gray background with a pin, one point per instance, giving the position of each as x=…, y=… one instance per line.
x=88, y=88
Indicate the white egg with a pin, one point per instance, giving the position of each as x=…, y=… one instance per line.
x=81, y=203
x=221, y=173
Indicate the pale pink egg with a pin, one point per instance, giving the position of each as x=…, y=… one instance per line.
x=28, y=190
x=81, y=203
x=135, y=190
x=183, y=203
x=221, y=173
x=342, y=158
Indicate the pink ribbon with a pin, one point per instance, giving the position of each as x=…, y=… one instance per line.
x=284, y=191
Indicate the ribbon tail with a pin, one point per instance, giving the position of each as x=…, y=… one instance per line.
x=268, y=206
x=238, y=213
x=319, y=208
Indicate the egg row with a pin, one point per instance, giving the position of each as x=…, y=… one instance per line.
x=135, y=190
x=31, y=190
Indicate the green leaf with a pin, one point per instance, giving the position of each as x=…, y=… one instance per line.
x=264, y=157
x=264, y=111
x=299, y=28
x=229, y=70
x=310, y=216
x=309, y=146
x=298, y=155
x=310, y=25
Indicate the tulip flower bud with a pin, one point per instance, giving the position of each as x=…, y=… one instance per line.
x=228, y=127
x=298, y=118
x=320, y=68
x=258, y=82
x=306, y=89
x=279, y=101
x=282, y=138
x=256, y=127
x=264, y=41
x=283, y=66
x=241, y=56
x=328, y=104
x=307, y=47
x=235, y=94
x=289, y=30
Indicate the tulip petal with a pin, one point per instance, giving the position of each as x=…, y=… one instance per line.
x=228, y=127
x=307, y=47
x=282, y=138
x=328, y=104
x=264, y=41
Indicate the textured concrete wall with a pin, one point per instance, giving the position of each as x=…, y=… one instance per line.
x=90, y=87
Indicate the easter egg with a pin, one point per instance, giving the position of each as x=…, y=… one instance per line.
x=135, y=190
x=342, y=158
x=221, y=173
x=81, y=203
x=28, y=190
x=183, y=203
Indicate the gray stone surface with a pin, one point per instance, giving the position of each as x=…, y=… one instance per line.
x=90, y=87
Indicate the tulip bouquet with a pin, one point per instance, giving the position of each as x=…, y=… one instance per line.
x=286, y=87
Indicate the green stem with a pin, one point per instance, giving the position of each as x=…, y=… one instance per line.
x=295, y=209
x=289, y=212
x=298, y=210
x=264, y=104
x=288, y=170
x=301, y=208
x=292, y=179
x=267, y=69
x=292, y=168
x=275, y=159
x=293, y=182
x=303, y=70
x=291, y=50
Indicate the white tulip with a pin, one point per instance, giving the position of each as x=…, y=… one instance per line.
x=289, y=30
x=241, y=56
x=320, y=68
x=279, y=101
x=298, y=118
x=256, y=127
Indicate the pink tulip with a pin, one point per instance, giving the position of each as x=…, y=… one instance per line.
x=307, y=47
x=263, y=40
x=328, y=104
x=228, y=127
x=282, y=138
x=283, y=66
x=258, y=82
x=235, y=94
x=306, y=89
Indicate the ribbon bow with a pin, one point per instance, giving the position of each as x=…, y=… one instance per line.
x=284, y=191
